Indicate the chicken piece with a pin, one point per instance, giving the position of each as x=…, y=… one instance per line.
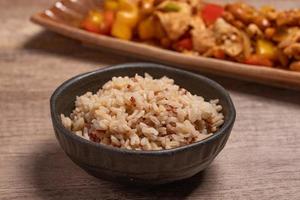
x=288, y=18
x=197, y=23
x=203, y=42
x=229, y=38
x=174, y=23
x=229, y=17
x=246, y=14
x=203, y=38
x=291, y=44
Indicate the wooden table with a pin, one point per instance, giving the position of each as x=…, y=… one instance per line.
x=261, y=159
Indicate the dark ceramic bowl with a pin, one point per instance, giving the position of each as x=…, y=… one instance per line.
x=147, y=167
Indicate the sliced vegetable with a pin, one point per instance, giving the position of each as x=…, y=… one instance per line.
x=184, y=44
x=211, y=12
x=171, y=7
x=266, y=49
x=255, y=59
x=126, y=20
x=93, y=22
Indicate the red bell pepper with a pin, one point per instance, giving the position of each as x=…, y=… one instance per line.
x=211, y=12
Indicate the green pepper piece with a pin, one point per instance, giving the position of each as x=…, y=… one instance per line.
x=171, y=7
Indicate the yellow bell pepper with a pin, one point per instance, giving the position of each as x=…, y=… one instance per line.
x=111, y=5
x=126, y=19
x=266, y=49
x=122, y=31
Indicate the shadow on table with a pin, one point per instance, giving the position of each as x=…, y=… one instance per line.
x=54, y=176
x=52, y=43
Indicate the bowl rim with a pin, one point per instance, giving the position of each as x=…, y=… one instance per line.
x=66, y=84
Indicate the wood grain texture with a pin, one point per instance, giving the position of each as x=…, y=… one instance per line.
x=260, y=161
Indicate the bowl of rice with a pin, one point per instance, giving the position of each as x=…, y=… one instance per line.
x=142, y=122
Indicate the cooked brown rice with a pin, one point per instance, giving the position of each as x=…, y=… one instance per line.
x=143, y=113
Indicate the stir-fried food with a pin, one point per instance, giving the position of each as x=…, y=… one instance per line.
x=236, y=31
